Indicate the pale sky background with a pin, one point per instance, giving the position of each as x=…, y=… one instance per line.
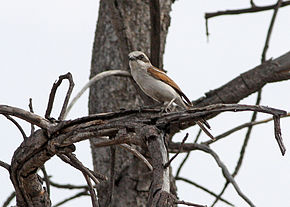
x=40, y=40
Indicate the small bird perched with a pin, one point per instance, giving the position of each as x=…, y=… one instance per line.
x=157, y=85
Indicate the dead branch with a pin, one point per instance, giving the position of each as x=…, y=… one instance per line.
x=67, y=76
x=160, y=188
x=9, y=199
x=31, y=110
x=17, y=125
x=276, y=8
x=137, y=154
x=92, y=191
x=26, y=115
x=5, y=165
x=180, y=148
x=243, y=11
x=242, y=126
x=248, y=82
x=189, y=204
x=58, y=138
x=83, y=193
x=225, y=172
x=73, y=161
x=204, y=189
x=67, y=186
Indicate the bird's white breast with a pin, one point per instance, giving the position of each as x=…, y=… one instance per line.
x=156, y=89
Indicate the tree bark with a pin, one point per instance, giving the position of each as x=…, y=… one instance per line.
x=123, y=26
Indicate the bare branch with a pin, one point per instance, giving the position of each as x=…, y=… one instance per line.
x=276, y=8
x=203, y=188
x=5, y=165
x=9, y=199
x=83, y=193
x=68, y=94
x=249, y=82
x=92, y=191
x=73, y=161
x=17, y=125
x=25, y=115
x=96, y=78
x=225, y=172
x=243, y=149
x=53, y=92
x=189, y=204
x=31, y=110
x=137, y=154
x=68, y=186
x=243, y=11
x=278, y=134
x=180, y=148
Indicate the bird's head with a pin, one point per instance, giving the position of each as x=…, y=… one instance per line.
x=138, y=57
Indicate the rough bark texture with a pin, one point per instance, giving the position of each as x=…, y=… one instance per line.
x=123, y=26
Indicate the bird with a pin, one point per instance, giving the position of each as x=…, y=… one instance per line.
x=156, y=84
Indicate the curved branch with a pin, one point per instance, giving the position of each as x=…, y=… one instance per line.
x=17, y=125
x=92, y=81
x=25, y=115
x=5, y=165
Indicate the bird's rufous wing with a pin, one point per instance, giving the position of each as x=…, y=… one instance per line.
x=160, y=75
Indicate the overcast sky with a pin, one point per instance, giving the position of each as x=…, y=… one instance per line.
x=40, y=40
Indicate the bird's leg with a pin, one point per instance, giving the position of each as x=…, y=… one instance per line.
x=168, y=105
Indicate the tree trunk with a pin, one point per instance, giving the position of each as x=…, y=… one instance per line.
x=123, y=26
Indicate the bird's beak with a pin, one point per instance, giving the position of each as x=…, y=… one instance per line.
x=132, y=58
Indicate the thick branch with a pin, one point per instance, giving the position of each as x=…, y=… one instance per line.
x=249, y=82
x=25, y=115
x=160, y=187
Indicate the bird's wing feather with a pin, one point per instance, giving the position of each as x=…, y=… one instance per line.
x=160, y=75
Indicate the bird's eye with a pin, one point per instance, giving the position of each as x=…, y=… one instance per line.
x=140, y=57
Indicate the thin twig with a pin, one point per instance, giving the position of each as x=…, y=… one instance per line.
x=189, y=204
x=187, y=155
x=202, y=188
x=31, y=110
x=78, y=166
x=92, y=191
x=83, y=193
x=92, y=81
x=68, y=186
x=174, y=156
x=225, y=172
x=276, y=8
x=242, y=126
x=243, y=149
x=17, y=125
x=9, y=199
x=137, y=154
x=243, y=11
